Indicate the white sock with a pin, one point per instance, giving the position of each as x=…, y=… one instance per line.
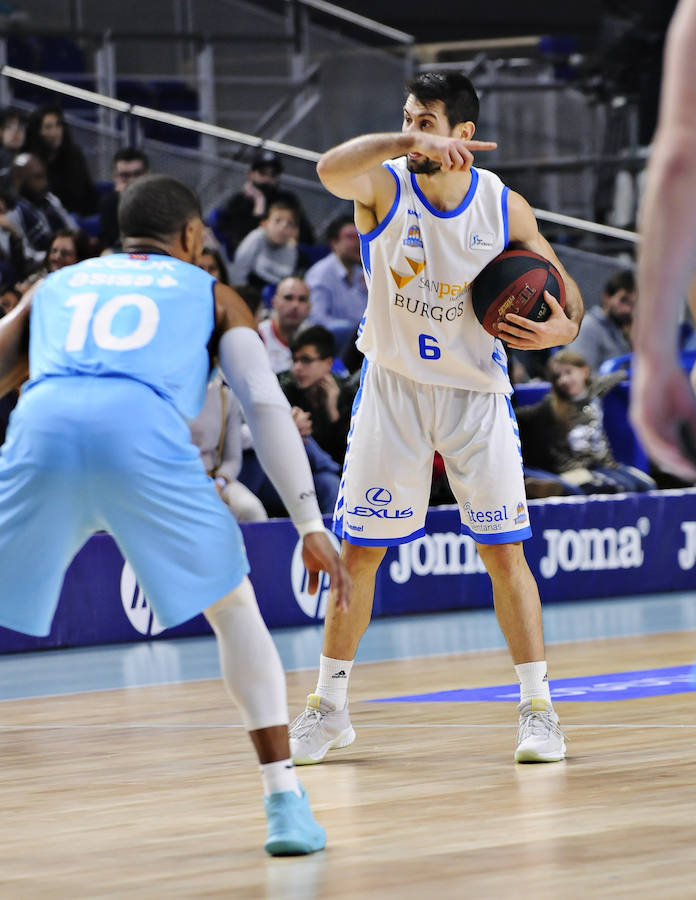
x=333, y=680
x=280, y=776
x=533, y=681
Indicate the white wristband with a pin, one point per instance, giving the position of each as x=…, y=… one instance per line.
x=305, y=528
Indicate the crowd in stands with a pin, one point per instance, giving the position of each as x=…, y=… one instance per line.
x=308, y=298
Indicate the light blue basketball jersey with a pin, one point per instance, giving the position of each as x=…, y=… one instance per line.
x=143, y=316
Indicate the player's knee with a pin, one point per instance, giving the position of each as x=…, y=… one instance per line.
x=242, y=595
x=502, y=559
x=357, y=556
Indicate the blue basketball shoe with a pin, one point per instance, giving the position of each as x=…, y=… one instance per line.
x=292, y=830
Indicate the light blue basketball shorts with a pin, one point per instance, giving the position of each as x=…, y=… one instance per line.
x=86, y=454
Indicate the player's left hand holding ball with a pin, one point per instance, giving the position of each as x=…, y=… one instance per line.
x=523, y=334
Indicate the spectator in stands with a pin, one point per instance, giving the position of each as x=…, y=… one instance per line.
x=605, y=332
x=211, y=260
x=290, y=308
x=268, y=253
x=13, y=265
x=564, y=433
x=69, y=178
x=68, y=246
x=13, y=129
x=245, y=210
x=38, y=213
x=217, y=432
x=337, y=283
x=293, y=303
x=311, y=387
x=10, y=296
x=129, y=163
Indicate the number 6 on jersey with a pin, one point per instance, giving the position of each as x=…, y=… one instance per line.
x=428, y=347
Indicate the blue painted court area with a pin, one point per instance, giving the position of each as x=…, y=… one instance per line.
x=614, y=686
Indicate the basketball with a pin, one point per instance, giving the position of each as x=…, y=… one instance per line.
x=514, y=282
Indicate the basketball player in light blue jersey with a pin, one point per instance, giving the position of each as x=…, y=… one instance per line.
x=118, y=352
x=434, y=380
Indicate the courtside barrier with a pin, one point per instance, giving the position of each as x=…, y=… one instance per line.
x=582, y=548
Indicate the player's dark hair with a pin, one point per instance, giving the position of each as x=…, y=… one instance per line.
x=157, y=207
x=333, y=229
x=453, y=89
x=625, y=280
x=315, y=336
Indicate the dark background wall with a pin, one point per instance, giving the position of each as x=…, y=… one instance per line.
x=451, y=21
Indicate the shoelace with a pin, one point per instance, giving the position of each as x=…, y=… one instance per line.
x=539, y=723
x=305, y=722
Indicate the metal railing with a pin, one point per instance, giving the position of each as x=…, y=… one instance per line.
x=138, y=112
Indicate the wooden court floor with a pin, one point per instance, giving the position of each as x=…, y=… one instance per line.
x=153, y=792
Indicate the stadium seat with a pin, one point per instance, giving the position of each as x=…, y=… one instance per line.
x=615, y=363
x=687, y=359
x=23, y=53
x=178, y=98
x=213, y=221
x=314, y=252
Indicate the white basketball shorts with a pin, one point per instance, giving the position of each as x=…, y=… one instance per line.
x=397, y=425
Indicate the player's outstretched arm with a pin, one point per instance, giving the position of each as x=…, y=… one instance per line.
x=562, y=326
x=277, y=442
x=353, y=170
x=14, y=345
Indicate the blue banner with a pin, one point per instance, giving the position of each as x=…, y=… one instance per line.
x=582, y=548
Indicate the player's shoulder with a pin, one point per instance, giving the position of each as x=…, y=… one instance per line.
x=488, y=179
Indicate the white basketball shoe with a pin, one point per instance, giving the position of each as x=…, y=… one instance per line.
x=320, y=728
x=539, y=737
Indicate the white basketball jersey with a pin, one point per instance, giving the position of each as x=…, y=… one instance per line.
x=419, y=264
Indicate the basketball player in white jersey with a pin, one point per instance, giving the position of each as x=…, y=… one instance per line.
x=434, y=380
x=663, y=406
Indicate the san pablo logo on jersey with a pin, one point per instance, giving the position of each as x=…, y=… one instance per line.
x=401, y=279
x=454, y=292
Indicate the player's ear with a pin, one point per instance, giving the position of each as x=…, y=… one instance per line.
x=192, y=238
x=464, y=131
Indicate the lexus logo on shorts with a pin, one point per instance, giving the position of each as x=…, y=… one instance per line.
x=135, y=604
x=312, y=605
x=378, y=496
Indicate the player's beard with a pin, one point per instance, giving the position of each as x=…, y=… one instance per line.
x=423, y=166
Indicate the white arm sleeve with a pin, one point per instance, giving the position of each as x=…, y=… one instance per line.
x=277, y=442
